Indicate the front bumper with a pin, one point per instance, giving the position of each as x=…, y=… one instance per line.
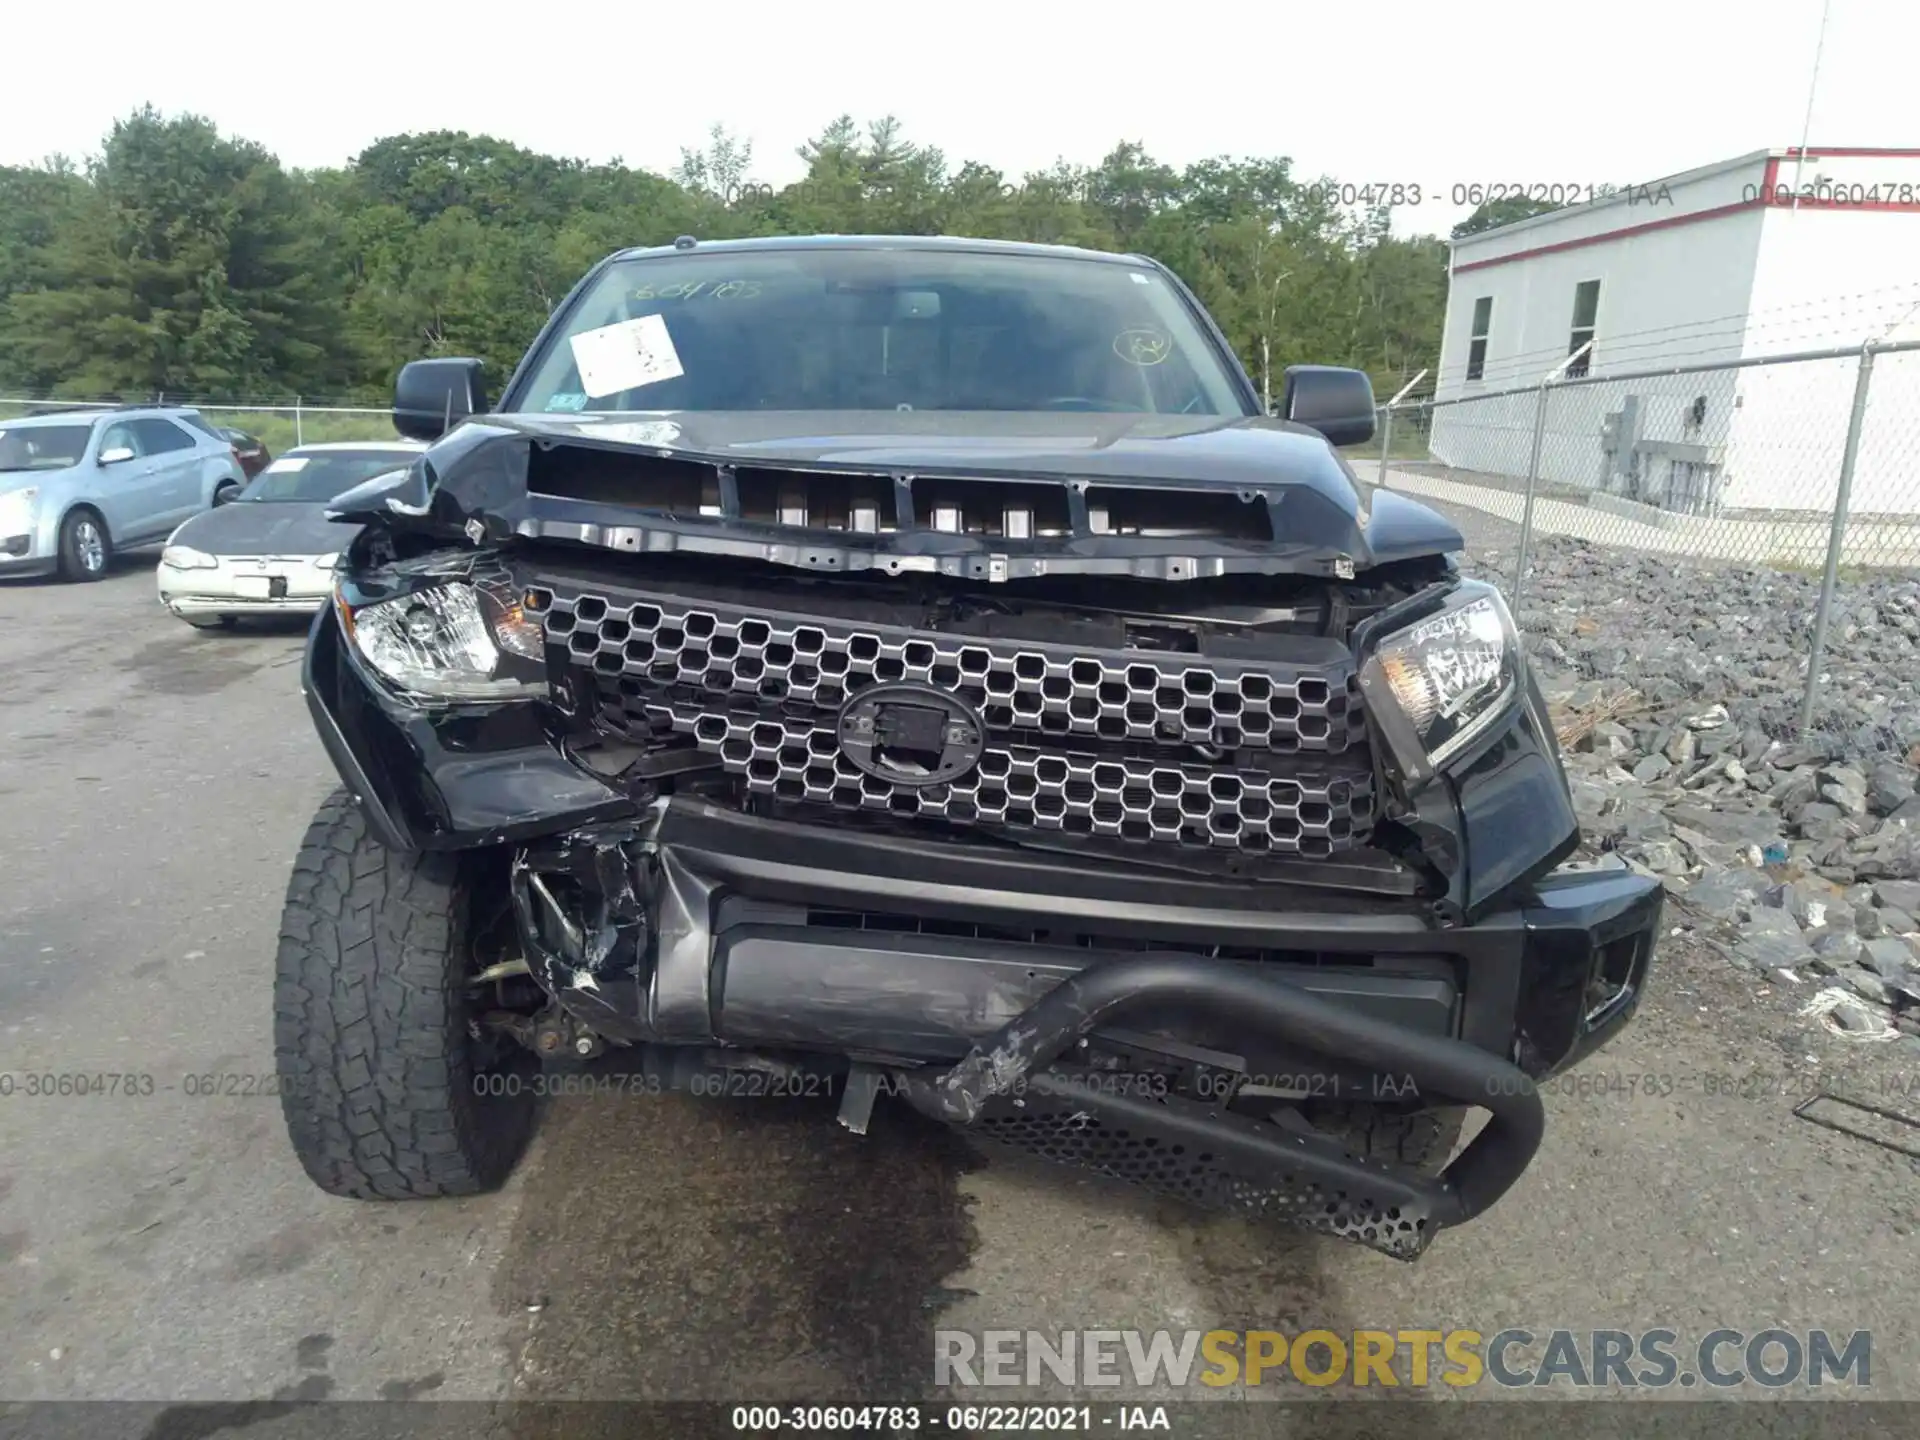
x=23, y=554
x=986, y=983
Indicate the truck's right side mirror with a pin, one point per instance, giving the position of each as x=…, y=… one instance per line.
x=430, y=397
x=1335, y=401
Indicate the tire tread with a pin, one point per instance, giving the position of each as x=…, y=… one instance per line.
x=376, y=1078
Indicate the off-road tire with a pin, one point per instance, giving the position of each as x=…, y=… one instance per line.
x=74, y=564
x=376, y=1062
x=1422, y=1139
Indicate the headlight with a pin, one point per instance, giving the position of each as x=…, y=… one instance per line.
x=185, y=557
x=1448, y=678
x=452, y=641
x=16, y=510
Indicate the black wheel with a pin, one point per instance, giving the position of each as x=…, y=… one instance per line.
x=85, y=549
x=387, y=1091
x=225, y=492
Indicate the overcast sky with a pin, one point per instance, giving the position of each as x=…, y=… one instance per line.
x=1517, y=91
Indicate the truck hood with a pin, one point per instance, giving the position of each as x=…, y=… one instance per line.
x=986, y=495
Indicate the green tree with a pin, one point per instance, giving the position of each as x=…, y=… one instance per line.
x=182, y=261
x=192, y=266
x=1504, y=211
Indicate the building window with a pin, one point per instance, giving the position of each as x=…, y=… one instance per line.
x=1477, y=344
x=1586, y=306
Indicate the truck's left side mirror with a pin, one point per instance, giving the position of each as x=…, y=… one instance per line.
x=430, y=397
x=1335, y=401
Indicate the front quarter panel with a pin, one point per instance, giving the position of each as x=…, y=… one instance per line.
x=58, y=494
x=1516, y=817
x=448, y=777
x=218, y=470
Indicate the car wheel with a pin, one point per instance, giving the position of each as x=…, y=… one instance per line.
x=225, y=492
x=85, y=550
x=387, y=1093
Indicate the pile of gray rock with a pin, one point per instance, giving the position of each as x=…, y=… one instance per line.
x=1678, y=689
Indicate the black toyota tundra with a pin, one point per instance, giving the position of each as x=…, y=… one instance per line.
x=918, y=671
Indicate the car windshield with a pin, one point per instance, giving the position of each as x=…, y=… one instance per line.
x=315, y=477
x=42, y=447
x=880, y=329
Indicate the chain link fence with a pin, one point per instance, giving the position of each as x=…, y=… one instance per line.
x=1785, y=490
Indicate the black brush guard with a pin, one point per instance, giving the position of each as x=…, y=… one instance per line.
x=1007, y=1089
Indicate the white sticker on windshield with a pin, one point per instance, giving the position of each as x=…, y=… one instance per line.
x=625, y=356
x=1138, y=278
x=285, y=463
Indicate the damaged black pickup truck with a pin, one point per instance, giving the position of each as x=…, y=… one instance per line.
x=919, y=669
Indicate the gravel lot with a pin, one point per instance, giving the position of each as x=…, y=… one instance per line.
x=165, y=1247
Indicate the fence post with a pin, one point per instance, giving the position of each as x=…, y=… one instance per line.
x=1836, y=538
x=1386, y=429
x=298, y=438
x=1533, y=482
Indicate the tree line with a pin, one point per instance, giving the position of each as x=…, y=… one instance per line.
x=183, y=262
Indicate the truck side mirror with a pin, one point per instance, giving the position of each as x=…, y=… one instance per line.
x=1335, y=401
x=430, y=397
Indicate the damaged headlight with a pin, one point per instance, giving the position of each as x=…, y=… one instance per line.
x=1442, y=682
x=451, y=641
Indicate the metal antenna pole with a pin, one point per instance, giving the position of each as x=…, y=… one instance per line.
x=1813, y=85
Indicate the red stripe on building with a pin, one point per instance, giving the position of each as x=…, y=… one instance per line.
x=1771, y=193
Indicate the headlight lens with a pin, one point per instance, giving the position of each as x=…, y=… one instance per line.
x=16, y=510
x=185, y=557
x=452, y=641
x=1451, y=676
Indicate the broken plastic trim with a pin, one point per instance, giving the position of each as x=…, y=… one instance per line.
x=487, y=483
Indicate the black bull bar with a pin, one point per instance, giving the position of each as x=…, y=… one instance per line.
x=1008, y=1088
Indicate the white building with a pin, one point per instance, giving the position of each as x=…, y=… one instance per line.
x=1772, y=253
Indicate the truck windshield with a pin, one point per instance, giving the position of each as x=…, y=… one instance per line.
x=879, y=329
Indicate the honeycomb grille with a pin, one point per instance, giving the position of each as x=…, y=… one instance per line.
x=1065, y=729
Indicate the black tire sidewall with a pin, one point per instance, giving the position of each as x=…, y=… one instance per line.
x=376, y=1063
x=71, y=567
